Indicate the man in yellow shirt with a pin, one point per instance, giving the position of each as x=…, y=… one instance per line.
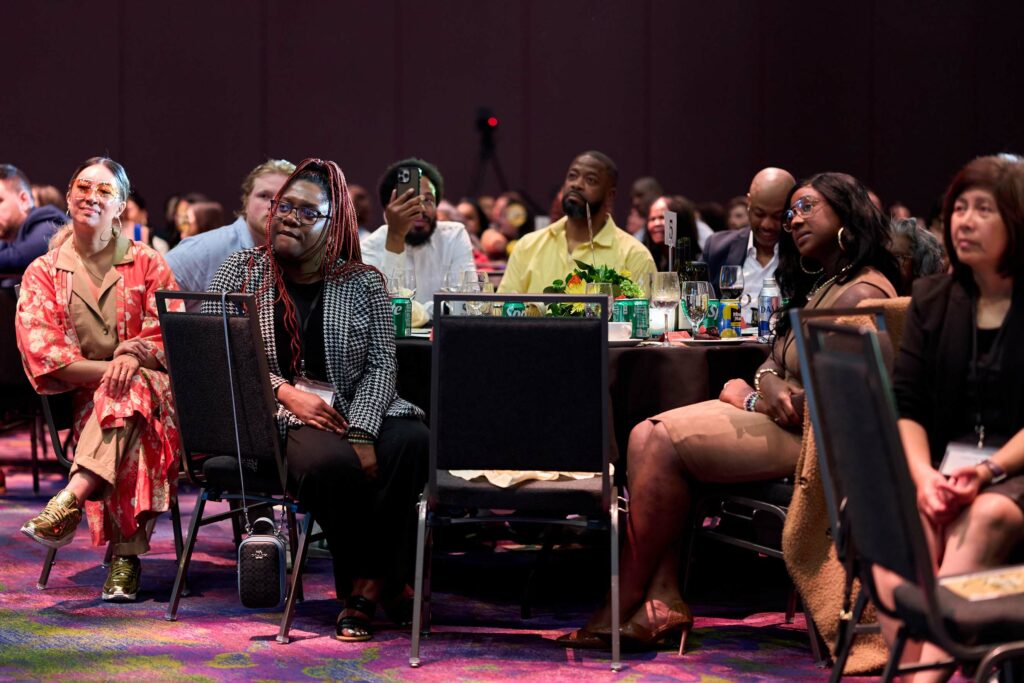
x=550, y=254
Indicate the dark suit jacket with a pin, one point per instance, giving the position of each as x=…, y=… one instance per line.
x=930, y=377
x=726, y=248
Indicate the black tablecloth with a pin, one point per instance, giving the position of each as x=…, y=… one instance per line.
x=643, y=381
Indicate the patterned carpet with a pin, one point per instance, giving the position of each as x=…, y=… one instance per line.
x=67, y=633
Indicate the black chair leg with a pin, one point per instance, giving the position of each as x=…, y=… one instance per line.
x=35, y=429
x=179, y=542
x=190, y=544
x=547, y=546
x=44, y=575
x=847, y=632
x=236, y=522
x=293, y=541
x=422, y=559
x=894, y=656
x=298, y=564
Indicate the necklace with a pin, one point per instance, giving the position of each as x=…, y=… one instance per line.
x=822, y=285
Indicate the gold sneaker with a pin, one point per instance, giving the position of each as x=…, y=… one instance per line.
x=122, y=584
x=55, y=526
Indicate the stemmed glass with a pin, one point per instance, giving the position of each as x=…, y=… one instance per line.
x=599, y=288
x=695, y=302
x=664, y=296
x=730, y=282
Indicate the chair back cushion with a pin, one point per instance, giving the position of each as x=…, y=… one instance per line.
x=857, y=434
x=198, y=363
x=520, y=394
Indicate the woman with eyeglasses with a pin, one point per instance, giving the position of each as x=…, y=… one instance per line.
x=87, y=323
x=958, y=380
x=833, y=254
x=356, y=452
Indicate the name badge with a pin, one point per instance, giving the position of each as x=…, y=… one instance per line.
x=963, y=455
x=322, y=389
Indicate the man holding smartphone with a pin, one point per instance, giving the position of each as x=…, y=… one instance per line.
x=412, y=239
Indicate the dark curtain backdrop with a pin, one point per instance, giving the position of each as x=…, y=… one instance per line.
x=191, y=94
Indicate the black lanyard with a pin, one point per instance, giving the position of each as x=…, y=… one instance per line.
x=304, y=327
x=978, y=384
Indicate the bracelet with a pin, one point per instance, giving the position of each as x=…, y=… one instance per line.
x=761, y=373
x=750, y=402
x=359, y=436
x=998, y=473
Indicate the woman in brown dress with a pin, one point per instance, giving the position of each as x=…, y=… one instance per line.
x=833, y=255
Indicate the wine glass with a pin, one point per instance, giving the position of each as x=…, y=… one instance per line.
x=664, y=296
x=730, y=282
x=695, y=302
x=599, y=288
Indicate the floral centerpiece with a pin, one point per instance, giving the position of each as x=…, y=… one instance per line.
x=576, y=283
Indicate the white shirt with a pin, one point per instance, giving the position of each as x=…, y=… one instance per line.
x=704, y=231
x=754, y=274
x=447, y=249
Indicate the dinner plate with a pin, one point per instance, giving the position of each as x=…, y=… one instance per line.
x=623, y=343
x=727, y=340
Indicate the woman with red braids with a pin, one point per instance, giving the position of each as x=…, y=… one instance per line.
x=358, y=460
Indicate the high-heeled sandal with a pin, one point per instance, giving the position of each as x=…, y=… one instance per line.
x=352, y=628
x=583, y=639
x=676, y=628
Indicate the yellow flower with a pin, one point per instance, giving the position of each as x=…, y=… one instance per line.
x=626, y=274
x=576, y=285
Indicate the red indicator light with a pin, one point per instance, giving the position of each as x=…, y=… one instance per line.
x=493, y=122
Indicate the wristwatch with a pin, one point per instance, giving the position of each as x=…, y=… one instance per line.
x=998, y=473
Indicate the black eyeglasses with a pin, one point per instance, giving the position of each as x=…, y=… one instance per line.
x=303, y=214
x=803, y=207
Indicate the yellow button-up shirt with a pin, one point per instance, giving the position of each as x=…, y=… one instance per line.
x=542, y=257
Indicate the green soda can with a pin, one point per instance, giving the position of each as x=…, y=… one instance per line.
x=711, y=317
x=641, y=319
x=401, y=310
x=513, y=309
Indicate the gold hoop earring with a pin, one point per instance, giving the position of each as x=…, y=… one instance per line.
x=839, y=238
x=808, y=271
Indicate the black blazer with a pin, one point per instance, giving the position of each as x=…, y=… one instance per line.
x=726, y=248
x=930, y=376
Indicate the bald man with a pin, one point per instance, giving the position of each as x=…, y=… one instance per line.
x=755, y=248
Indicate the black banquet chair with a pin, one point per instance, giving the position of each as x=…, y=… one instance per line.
x=547, y=409
x=197, y=358
x=856, y=423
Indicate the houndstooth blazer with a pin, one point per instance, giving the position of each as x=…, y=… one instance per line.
x=359, y=340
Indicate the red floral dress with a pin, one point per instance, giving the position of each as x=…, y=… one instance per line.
x=147, y=474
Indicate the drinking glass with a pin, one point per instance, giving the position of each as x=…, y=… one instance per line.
x=664, y=296
x=478, y=307
x=695, y=302
x=401, y=283
x=599, y=288
x=730, y=283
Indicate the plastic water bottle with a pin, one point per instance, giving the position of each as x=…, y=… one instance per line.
x=768, y=305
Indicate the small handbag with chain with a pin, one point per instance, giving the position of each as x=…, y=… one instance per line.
x=261, y=555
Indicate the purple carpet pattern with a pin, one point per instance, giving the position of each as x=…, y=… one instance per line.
x=66, y=632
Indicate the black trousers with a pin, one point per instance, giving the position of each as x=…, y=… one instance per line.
x=370, y=526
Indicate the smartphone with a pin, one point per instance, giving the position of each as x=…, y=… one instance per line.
x=408, y=179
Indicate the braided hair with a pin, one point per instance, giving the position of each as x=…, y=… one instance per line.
x=337, y=246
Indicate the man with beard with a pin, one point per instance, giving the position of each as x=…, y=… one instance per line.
x=550, y=254
x=413, y=239
x=25, y=229
x=756, y=248
x=195, y=260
